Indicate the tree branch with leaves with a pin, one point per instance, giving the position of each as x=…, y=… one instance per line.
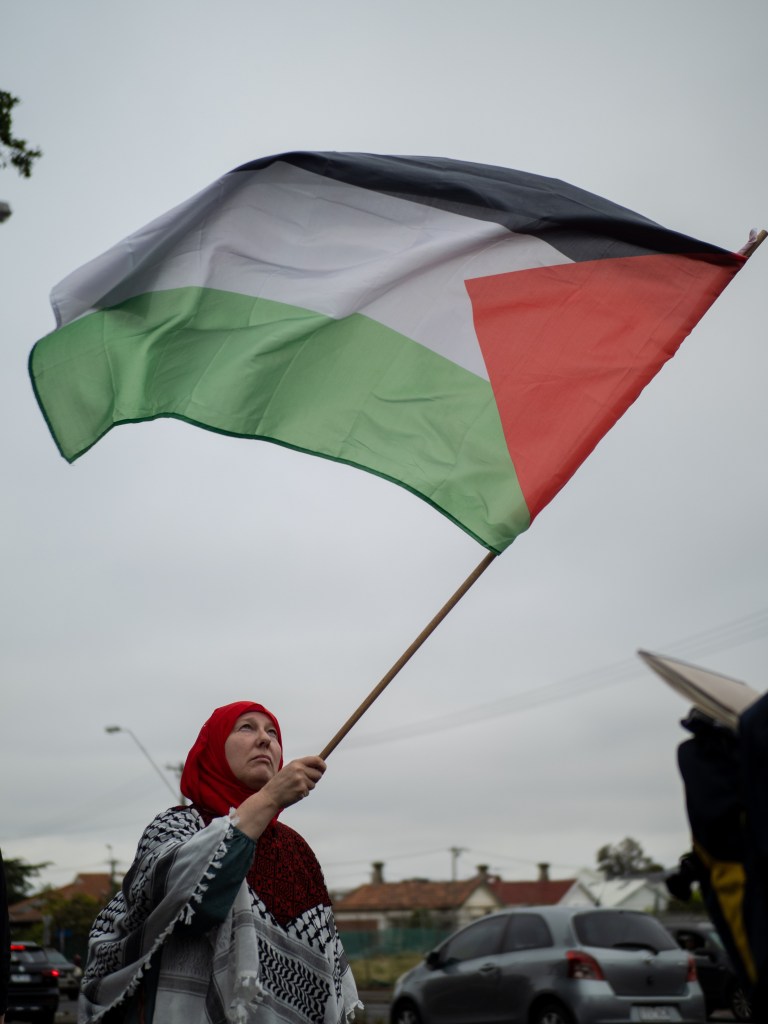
x=19, y=876
x=14, y=152
x=626, y=859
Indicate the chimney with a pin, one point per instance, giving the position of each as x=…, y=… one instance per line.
x=543, y=872
x=377, y=875
x=482, y=872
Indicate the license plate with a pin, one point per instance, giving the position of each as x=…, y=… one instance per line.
x=656, y=1013
x=20, y=978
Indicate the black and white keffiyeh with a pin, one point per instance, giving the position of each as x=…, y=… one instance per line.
x=251, y=968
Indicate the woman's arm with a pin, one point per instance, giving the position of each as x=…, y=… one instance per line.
x=222, y=888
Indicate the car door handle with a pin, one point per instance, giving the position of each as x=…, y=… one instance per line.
x=489, y=969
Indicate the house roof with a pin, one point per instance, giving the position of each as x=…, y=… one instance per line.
x=98, y=885
x=414, y=894
x=531, y=894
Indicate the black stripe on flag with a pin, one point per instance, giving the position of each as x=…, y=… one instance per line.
x=579, y=224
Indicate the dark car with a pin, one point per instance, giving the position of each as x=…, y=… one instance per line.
x=553, y=965
x=33, y=990
x=722, y=989
x=69, y=973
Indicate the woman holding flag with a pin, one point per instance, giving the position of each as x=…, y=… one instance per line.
x=224, y=914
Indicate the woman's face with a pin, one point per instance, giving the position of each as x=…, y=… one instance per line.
x=252, y=750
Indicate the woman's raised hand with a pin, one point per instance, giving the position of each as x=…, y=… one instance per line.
x=292, y=783
x=295, y=780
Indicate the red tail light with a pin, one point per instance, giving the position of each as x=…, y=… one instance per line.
x=692, y=975
x=582, y=966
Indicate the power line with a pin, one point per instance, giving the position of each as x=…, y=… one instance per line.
x=738, y=631
x=386, y=860
x=730, y=634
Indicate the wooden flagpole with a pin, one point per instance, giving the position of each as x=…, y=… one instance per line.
x=747, y=251
x=380, y=687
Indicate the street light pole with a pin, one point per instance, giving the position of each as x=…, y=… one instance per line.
x=145, y=752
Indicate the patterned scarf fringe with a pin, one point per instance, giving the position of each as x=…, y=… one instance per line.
x=350, y=1012
x=184, y=916
x=245, y=1000
x=188, y=911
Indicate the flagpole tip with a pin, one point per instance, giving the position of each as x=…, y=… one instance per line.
x=756, y=238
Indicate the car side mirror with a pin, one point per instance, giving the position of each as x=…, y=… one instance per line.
x=433, y=959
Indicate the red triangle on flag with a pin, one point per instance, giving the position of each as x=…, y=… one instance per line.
x=568, y=348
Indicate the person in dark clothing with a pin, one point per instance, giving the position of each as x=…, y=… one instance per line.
x=5, y=943
x=725, y=773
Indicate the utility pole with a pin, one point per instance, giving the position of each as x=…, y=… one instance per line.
x=112, y=869
x=177, y=768
x=455, y=852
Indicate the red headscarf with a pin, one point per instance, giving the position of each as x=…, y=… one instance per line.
x=207, y=779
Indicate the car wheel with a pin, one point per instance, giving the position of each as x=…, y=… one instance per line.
x=551, y=1013
x=740, y=1005
x=405, y=1013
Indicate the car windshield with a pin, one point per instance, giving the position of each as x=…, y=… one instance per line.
x=622, y=931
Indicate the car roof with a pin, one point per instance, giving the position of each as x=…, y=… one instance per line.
x=559, y=917
x=692, y=922
x=563, y=912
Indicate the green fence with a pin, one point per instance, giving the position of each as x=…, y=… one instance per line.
x=391, y=941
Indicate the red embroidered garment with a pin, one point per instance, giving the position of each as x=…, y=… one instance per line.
x=285, y=874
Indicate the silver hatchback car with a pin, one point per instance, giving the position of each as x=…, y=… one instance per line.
x=553, y=965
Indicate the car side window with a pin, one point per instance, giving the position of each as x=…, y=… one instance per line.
x=691, y=940
x=526, y=931
x=480, y=939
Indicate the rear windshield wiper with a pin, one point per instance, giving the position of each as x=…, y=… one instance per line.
x=636, y=945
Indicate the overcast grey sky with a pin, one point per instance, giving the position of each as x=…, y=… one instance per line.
x=172, y=570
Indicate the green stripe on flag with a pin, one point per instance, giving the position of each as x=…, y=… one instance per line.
x=351, y=390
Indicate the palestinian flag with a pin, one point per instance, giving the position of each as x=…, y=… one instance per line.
x=468, y=332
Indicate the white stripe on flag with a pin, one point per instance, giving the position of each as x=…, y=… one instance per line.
x=293, y=236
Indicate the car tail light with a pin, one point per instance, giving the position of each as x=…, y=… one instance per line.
x=582, y=966
x=692, y=974
x=51, y=973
